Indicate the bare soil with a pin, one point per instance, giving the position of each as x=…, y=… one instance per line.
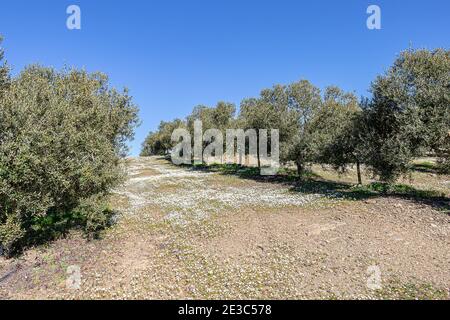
x=184, y=234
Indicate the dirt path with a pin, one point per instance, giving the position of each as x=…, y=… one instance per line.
x=190, y=234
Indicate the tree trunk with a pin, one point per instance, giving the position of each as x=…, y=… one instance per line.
x=300, y=169
x=358, y=170
x=257, y=149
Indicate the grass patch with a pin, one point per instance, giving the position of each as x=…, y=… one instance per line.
x=377, y=188
x=411, y=291
x=425, y=166
x=312, y=183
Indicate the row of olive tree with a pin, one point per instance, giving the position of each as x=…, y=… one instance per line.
x=407, y=116
x=62, y=134
x=306, y=120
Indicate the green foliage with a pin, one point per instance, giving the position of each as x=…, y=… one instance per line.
x=62, y=135
x=305, y=100
x=272, y=111
x=160, y=142
x=10, y=231
x=398, y=190
x=93, y=213
x=220, y=117
x=407, y=116
x=307, y=122
x=4, y=71
x=409, y=112
x=152, y=145
x=444, y=156
x=335, y=129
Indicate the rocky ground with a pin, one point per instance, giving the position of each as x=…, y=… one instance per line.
x=182, y=233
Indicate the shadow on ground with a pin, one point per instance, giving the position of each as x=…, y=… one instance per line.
x=54, y=225
x=315, y=184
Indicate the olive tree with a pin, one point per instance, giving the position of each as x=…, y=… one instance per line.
x=4, y=71
x=152, y=145
x=305, y=101
x=270, y=111
x=62, y=136
x=220, y=117
x=409, y=112
x=160, y=142
x=347, y=145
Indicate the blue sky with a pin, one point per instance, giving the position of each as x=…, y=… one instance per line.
x=174, y=55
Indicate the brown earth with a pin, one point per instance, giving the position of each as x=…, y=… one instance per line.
x=187, y=234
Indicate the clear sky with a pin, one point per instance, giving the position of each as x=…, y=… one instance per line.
x=174, y=55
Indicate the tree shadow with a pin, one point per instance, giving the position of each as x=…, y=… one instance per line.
x=312, y=183
x=55, y=225
x=425, y=167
